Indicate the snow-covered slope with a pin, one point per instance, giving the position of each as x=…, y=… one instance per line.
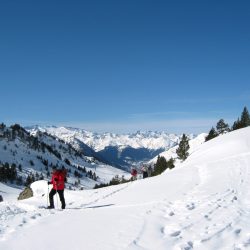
x=119, y=149
x=71, y=136
x=37, y=155
x=9, y=193
x=202, y=204
x=194, y=144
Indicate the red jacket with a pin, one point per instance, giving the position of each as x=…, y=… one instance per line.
x=133, y=172
x=58, y=179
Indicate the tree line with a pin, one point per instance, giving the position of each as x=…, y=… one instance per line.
x=8, y=173
x=182, y=151
x=222, y=127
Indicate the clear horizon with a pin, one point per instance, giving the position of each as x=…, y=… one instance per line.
x=110, y=66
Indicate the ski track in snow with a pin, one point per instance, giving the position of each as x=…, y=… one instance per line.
x=12, y=214
x=207, y=215
x=176, y=218
x=23, y=215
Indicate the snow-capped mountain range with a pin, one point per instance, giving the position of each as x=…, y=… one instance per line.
x=99, y=141
x=121, y=150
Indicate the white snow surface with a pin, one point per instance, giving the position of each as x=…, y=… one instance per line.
x=201, y=204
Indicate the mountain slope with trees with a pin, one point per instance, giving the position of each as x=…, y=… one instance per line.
x=25, y=158
x=222, y=127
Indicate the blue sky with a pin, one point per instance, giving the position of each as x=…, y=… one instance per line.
x=122, y=66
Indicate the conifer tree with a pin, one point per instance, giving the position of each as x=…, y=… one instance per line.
x=182, y=150
x=222, y=127
x=19, y=180
x=20, y=168
x=237, y=125
x=170, y=163
x=245, y=118
x=160, y=166
x=212, y=134
x=28, y=181
x=12, y=172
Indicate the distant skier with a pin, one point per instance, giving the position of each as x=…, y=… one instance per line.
x=144, y=170
x=58, y=179
x=150, y=170
x=134, y=174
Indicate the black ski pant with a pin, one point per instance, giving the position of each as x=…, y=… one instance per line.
x=145, y=174
x=61, y=195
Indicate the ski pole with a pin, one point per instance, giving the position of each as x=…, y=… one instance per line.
x=48, y=196
x=56, y=197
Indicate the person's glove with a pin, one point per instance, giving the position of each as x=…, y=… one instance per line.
x=49, y=182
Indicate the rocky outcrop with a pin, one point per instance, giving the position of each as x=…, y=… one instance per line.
x=25, y=194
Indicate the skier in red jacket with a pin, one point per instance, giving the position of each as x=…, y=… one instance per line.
x=134, y=174
x=58, y=179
